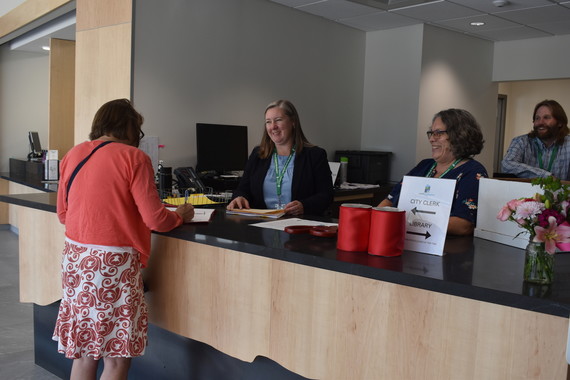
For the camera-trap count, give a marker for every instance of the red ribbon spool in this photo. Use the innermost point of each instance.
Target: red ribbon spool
(353, 227)
(387, 231)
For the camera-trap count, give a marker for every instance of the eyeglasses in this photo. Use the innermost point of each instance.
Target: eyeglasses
(437, 134)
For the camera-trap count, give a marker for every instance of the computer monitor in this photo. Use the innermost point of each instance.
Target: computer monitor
(35, 146)
(221, 148)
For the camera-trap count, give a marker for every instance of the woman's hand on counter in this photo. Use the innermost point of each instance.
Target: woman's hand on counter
(238, 203)
(186, 212)
(294, 208)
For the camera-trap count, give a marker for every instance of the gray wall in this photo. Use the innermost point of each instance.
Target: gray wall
(391, 95)
(535, 58)
(220, 61)
(411, 74)
(23, 102)
(452, 80)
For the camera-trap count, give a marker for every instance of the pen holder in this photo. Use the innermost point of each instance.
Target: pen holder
(387, 231)
(353, 227)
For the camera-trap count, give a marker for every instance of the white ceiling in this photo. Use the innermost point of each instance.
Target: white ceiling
(515, 20)
(7, 5)
(62, 27)
(58, 24)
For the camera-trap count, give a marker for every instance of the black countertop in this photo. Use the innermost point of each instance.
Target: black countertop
(34, 183)
(472, 267)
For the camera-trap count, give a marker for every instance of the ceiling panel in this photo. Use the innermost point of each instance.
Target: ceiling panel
(487, 6)
(441, 10)
(538, 15)
(556, 28)
(335, 9)
(491, 23)
(295, 3)
(517, 19)
(518, 33)
(378, 21)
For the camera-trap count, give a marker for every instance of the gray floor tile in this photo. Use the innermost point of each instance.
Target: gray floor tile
(16, 319)
(20, 366)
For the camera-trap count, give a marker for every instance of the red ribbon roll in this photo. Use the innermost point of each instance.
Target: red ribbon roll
(353, 227)
(387, 231)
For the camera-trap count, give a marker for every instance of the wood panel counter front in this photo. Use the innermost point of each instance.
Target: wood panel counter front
(329, 314)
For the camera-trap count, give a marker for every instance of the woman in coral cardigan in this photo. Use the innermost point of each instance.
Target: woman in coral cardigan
(109, 210)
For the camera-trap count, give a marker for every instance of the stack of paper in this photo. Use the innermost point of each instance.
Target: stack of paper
(201, 215)
(273, 214)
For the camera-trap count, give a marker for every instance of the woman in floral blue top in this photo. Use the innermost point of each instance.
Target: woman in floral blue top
(455, 137)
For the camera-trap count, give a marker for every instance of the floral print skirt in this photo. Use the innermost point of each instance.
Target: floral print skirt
(103, 312)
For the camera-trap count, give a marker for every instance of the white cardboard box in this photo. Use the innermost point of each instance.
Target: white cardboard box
(493, 195)
(51, 170)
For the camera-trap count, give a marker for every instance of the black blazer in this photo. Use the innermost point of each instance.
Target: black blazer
(312, 181)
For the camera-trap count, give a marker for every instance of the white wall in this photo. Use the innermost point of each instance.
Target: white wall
(391, 95)
(23, 102)
(452, 80)
(535, 58)
(221, 61)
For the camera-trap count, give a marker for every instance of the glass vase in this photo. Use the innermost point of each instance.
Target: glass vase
(538, 264)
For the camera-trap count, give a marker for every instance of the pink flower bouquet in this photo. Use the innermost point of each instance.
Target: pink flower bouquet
(543, 216)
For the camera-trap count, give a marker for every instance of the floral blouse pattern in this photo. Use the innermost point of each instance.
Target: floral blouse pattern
(466, 191)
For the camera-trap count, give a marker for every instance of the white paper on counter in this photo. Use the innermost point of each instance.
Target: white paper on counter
(282, 223)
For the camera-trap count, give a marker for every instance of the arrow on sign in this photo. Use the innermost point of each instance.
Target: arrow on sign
(416, 211)
(426, 234)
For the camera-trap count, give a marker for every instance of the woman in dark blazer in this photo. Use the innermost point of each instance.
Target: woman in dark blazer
(285, 171)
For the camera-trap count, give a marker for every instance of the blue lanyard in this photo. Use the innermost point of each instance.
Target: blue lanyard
(279, 174)
(539, 156)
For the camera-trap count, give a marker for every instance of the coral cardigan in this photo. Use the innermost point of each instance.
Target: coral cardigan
(113, 200)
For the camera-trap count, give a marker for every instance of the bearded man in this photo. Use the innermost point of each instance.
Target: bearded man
(545, 151)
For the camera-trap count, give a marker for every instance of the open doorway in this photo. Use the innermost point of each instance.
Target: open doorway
(500, 132)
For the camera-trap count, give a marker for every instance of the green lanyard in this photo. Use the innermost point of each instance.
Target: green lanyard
(539, 156)
(430, 173)
(280, 174)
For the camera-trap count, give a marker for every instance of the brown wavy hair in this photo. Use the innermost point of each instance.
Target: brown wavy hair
(266, 147)
(557, 113)
(463, 131)
(118, 118)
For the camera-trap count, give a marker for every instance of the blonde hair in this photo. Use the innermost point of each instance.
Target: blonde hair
(266, 146)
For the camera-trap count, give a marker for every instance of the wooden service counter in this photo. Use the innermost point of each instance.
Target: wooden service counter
(329, 314)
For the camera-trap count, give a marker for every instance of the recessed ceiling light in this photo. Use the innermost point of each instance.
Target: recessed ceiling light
(45, 48)
(477, 23)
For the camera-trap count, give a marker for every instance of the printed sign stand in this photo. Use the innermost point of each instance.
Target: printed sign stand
(427, 202)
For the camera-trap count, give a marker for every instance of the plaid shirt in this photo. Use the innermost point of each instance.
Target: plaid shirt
(522, 158)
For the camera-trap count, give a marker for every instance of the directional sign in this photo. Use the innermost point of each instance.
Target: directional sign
(427, 202)
(425, 234)
(416, 211)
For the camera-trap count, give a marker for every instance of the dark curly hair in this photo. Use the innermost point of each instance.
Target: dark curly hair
(463, 131)
(118, 118)
(557, 113)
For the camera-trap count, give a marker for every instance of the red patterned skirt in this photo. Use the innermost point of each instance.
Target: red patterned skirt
(103, 312)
